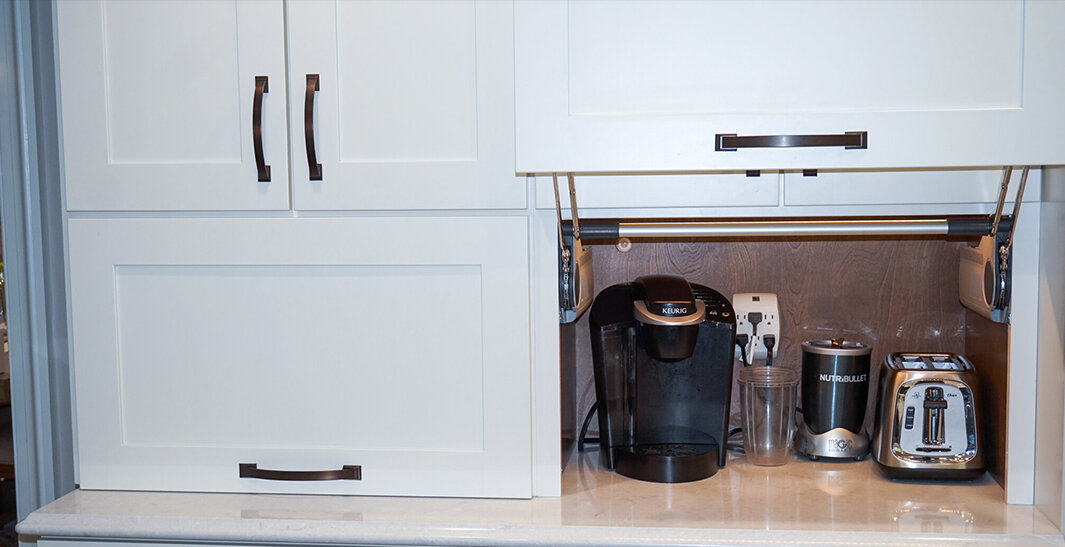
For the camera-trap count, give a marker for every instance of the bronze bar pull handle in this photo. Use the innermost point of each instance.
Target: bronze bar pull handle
(346, 473)
(313, 166)
(730, 142)
(262, 85)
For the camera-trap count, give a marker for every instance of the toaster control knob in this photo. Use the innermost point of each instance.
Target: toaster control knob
(934, 408)
(910, 411)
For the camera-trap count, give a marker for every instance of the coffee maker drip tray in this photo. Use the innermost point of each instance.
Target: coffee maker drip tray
(668, 462)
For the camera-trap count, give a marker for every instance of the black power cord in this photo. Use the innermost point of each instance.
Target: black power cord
(581, 440)
(769, 340)
(741, 341)
(737, 446)
(753, 318)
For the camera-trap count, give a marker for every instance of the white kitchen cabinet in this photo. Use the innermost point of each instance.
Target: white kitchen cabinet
(412, 106)
(648, 86)
(157, 104)
(400, 345)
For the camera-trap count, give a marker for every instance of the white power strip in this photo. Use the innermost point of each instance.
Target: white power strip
(764, 303)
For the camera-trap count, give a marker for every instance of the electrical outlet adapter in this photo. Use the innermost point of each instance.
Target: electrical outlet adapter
(757, 315)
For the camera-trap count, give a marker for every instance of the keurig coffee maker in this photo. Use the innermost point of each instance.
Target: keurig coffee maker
(662, 352)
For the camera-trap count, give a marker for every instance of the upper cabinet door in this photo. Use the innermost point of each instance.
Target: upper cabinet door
(159, 104)
(414, 106)
(647, 86)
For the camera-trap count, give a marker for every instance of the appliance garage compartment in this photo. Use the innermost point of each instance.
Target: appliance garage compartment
(387, 259)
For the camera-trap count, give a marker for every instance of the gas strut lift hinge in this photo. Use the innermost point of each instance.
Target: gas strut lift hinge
(984, 271)
(1006, 246)
(575, 286)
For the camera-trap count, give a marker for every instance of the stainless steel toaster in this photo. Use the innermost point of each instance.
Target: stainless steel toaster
(927, 418)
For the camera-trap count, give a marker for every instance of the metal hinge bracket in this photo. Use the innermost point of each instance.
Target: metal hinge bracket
(576, 287)
(984, 271)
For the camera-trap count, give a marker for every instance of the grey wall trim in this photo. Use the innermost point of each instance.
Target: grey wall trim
(54, 245)
(31, 221)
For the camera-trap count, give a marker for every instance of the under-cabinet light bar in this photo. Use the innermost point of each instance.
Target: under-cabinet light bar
(952, 226)
(784, 228)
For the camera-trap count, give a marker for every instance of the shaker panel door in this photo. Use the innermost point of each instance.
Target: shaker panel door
(413, 107)
(408, 356)
(647, 86)
(158, 103)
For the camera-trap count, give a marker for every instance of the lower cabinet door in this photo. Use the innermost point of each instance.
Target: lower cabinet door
(383, 355)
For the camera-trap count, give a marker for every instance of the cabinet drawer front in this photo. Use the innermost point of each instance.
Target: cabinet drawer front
(664, 191)
(648, 86)
(415, 107)
(158, 104)
(905, 187)
(303, 345)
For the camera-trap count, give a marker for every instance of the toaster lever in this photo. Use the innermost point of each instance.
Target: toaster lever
(934, 407)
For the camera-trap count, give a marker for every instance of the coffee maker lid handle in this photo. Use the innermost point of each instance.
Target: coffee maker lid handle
(667, 300)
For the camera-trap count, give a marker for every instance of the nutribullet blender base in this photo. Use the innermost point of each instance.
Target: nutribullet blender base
(839, 443)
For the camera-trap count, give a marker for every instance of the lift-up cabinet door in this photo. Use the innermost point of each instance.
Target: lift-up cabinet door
(166, 105)
(648, 86)
(303, 345)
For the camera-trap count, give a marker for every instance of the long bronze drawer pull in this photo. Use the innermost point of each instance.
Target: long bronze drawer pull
(346, 473)
(730, 142)
(262, 85)
(313, 166)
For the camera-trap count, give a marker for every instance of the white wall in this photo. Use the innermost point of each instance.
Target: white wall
(1050, 394)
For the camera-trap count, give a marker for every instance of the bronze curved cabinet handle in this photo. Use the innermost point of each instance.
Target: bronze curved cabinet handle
(313, 166)
(262, 86)
(346, 473)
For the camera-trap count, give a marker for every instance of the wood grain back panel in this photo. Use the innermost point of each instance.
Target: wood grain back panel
(987, 347)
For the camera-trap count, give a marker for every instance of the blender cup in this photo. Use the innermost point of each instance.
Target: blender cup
(767, 399)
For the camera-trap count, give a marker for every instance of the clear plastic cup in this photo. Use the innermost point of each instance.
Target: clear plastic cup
(767, 400)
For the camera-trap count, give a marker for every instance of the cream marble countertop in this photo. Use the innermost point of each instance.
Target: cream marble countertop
(801, 503)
